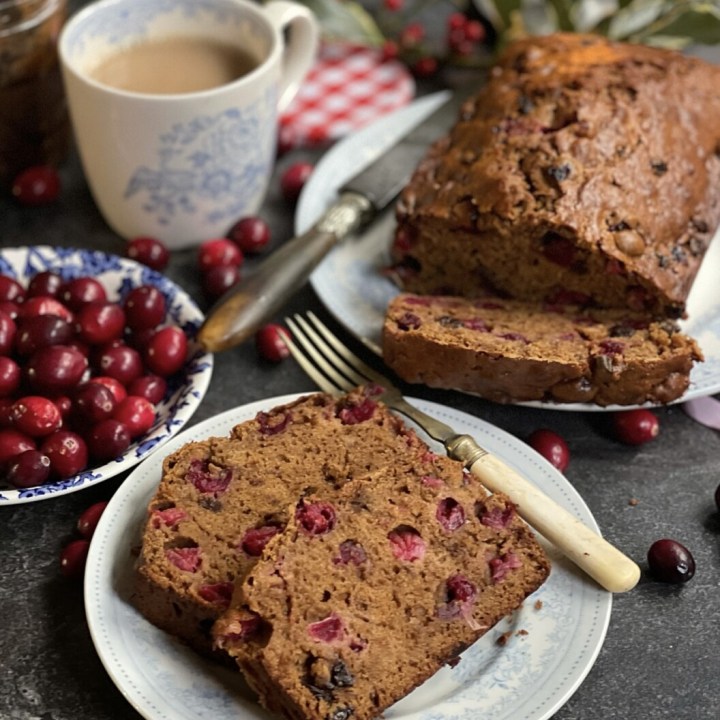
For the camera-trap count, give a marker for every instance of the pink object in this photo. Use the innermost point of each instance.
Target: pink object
(705, 410)
(348, 87)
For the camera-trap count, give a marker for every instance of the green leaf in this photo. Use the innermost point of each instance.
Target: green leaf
(635, 17)
(699, 23)
(588, 14)
(499, 12)
(541, 18)
(349, 21)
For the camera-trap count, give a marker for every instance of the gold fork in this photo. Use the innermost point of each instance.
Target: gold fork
(336, 370)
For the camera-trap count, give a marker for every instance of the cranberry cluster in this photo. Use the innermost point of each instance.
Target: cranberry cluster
(80, 374)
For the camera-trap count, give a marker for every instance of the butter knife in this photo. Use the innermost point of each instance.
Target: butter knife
(249, 303)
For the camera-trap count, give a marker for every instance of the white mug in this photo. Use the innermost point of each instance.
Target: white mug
(183, 167)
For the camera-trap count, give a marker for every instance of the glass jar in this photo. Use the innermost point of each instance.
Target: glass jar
(34, 126)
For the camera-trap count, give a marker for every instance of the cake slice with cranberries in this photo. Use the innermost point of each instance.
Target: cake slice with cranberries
(368, 592)
(508, 350)
(221, 499)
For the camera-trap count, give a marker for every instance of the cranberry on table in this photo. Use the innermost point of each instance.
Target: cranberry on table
(36, 416)
(39, 331)
(144, 307)
(136, 413)
(219, 251)
(55, 369)
(11, 290)
(13, 442)
(67, 451)
(80, 291)
(151, 387)
(551, 446)
(28, 469)
(218, 280)
(270, 342)
(36, 185)
(8, 332)
(100, 322)
(670, 561)
(293, 180)
(635, 427)
(9, 376)
(108, 440)
(166, 351)
(251, 234)
(148, 251)
(89, 518)
(73, 558)
(45, 283)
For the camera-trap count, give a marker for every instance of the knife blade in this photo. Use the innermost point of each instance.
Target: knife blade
(252, 301)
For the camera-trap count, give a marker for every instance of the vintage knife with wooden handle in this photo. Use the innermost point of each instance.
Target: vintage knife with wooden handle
(248, 304)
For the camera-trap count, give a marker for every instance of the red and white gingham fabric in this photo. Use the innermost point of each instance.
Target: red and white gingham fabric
(347, 88)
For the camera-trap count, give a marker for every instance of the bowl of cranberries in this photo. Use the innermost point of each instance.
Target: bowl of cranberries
(99, 367)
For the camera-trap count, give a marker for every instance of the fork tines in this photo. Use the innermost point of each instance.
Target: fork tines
(326, 360)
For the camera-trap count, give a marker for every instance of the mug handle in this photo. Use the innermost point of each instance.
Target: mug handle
(298, 25)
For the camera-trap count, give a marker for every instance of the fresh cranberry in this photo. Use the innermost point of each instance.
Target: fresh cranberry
(64, 405)
(13, 442)
(81, 291)
(36, 185)
(670, 561)
(214, 481)
(6, 415)
(148, 251)
(9, 376)
(56, 368)
(315, 518)
(293, 179)
(218, 280)
(67, 452)
(89, 518)
(73, 558)
(326, 630)
(187, 559)
(450, 514)
(250, 234)
(144, 307)
(166, 352)
(100, 322)
(255, 539)
(108, 440)
(115, 386)
(635, 427)
(406, 544)
(44, 305)
(270, 343)
(136, 413)
(36, 416)
(551, 446)
(93, 402)
(425, 67)
(151, 387)
(219, 251)
(11, 290)
(39, 331)
(45, 283)
(28, 469)
(10, 308)
(120, 362)
(8, 333)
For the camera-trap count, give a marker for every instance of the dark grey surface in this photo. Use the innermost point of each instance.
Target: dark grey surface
(659, 660)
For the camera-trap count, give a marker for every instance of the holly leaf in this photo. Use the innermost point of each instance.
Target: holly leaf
(344, 20)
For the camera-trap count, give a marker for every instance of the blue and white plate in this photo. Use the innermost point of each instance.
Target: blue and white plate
(551, 641)
(118, 276)
(351, 285)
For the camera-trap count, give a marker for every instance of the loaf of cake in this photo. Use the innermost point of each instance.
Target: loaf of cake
(509, 350)
(368, 593)
(221, 499)
(584, 171)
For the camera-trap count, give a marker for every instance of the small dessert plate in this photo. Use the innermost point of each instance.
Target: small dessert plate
(186, 389)
(525, 668)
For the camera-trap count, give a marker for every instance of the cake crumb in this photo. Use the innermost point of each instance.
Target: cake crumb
(522, 631)
(503, 639)
(633, 502)
(538, 604)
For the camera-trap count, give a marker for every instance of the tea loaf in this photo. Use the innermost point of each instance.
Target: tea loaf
(367, 594)
(221, 499)
(509, 350)
(584, 171)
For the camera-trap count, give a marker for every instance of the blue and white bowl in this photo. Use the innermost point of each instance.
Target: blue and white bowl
(118, 276)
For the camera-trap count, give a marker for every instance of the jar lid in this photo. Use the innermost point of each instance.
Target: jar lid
(348, 87)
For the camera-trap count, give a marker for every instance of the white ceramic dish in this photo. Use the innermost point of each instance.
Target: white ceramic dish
(118, 275)
(528, 678)
(350, 284)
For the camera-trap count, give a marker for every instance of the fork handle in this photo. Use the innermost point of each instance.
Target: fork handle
(596, 556)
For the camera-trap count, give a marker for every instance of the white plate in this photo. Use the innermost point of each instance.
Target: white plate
(527, 679)
(351, 286)
(118, 275)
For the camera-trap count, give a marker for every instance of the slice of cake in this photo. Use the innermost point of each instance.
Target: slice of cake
(221, 499)
(371, 590)
(508, 351)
